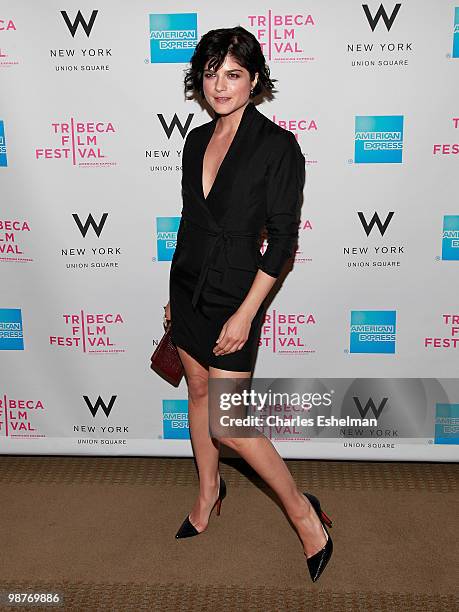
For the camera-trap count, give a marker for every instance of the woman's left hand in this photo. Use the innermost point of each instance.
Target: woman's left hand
(234, 334)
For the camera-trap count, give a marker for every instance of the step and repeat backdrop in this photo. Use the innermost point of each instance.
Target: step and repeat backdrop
(92, 124)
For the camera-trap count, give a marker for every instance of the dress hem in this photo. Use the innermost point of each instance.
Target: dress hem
(208, 363)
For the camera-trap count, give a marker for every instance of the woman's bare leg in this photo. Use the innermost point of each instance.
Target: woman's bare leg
(261, 455)
(205, 449)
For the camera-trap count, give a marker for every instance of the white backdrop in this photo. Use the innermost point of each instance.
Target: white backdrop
(92, 124)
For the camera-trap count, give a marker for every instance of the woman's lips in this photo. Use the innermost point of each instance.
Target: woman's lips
(222, 99)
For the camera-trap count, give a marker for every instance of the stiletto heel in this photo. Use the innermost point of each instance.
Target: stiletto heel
(187, 529)
(221, 495)
(326, 519)
(317, 563)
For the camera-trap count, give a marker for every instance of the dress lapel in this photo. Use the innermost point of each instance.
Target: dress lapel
(228, 166)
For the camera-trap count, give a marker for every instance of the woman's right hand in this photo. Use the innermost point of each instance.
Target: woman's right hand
(167, 315)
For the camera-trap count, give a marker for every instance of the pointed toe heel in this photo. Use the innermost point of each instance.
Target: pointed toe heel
(318, 562)
(187, 529)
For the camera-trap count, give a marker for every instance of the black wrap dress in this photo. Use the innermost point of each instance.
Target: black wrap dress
(259, 184)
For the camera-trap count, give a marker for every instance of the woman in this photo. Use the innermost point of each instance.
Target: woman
(241, 171)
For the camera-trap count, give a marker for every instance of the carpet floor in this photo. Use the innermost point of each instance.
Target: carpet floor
(100, 531)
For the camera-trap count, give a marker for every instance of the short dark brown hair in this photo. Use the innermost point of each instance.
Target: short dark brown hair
(214, 46)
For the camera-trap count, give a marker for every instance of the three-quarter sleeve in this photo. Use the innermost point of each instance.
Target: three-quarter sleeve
(284, 188)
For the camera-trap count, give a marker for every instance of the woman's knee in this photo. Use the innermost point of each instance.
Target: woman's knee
(234, 443)
(198, 386)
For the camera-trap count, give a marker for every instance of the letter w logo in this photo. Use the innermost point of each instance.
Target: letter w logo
(87, 27)
(100, 404)
(370, 404)
(175, 122)
(375, 219)
(90, 222)
(373, 21)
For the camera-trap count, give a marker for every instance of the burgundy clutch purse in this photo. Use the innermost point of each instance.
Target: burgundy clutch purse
(165, 360)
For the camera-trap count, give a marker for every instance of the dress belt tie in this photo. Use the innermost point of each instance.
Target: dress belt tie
(218, 235)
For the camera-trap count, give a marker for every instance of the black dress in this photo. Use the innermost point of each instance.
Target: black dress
(259, 183)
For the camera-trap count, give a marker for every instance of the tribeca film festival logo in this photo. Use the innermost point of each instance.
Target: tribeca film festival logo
(450, 238)
(7, 29)
(299, 256)
(166, 237)
(175, 420)
(304, 127)
(80, 58)
(456, 33)
(11, 330)
(282, 37)
(447, 148)
(102, 408)
(381, 255)
(383, 53)
(13, 234)
(79, 142)
(3, 157)
(173, 37)
(284, 333)
(378, 139)
(450, 339)
(91, 333)
(161, 157)
(18, 417)
(91, 257)
(372, 331)
(446, 424)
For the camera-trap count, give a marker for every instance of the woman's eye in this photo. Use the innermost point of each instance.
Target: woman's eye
(209, 74)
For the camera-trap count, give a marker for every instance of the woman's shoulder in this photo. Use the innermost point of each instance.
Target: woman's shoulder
(199, 130)
(277, 137)
(280, 142)
(192, 140)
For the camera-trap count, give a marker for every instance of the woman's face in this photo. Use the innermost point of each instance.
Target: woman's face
(229, 87)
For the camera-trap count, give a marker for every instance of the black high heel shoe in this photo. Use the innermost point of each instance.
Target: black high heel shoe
(187, 529)
(317, 562)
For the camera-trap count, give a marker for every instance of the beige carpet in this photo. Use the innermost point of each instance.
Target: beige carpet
(101, 531)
